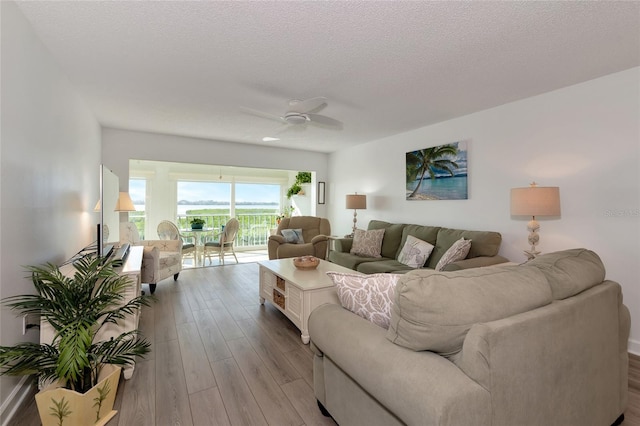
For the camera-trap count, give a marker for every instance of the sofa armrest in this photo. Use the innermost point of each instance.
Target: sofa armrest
(343, 244)
(476, 262)
(415, 386)
(273, 244)
(318, 239)
(544, 349)
(277, 238)
(164, 245)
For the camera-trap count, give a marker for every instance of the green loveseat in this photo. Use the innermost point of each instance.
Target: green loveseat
(484, 248)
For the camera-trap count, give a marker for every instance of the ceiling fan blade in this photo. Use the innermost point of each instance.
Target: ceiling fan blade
(262, 114)
(308, 105)
(326, 121)
(291, 128)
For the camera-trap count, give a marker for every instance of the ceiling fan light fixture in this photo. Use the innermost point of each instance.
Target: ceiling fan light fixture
(295, 118)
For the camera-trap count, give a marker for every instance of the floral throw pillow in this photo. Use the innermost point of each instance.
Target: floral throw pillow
(368, 296)
(293, 236)
(415, 252)
(458, 251)
(367, 243)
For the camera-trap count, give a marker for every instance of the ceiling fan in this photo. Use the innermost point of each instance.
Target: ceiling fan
(299, 113)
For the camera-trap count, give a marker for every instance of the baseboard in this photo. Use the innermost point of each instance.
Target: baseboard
(23, 390)
(634, 347)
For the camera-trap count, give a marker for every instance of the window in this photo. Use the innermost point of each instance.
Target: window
(210, 201)
(138, 194)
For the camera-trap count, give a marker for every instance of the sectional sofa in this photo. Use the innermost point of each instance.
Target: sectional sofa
(544, 343)
(484, 248)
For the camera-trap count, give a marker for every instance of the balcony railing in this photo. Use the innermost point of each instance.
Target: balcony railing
(253, 232)
(254, 229)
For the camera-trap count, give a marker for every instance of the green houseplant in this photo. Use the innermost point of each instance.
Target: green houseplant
(76, 307)
(197, 223)
(295, 188)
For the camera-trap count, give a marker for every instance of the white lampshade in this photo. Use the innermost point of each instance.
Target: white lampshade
(535, 201)
(356, 201)
(124, 203)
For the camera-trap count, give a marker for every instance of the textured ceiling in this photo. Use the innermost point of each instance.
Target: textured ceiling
(189, 68)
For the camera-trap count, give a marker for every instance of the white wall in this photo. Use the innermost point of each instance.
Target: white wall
(119, 146)
(49, 156)
(584, 139)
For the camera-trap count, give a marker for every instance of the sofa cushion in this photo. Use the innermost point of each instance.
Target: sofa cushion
(392, 237)
(570, 272)
(383, 265)
(351, 261)
(458, 251)
(434, 310)
(415, 252)
(483, 243)
(367, 243)
(368, 296)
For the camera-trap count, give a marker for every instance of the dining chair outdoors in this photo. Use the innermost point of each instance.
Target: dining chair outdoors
(225, 243)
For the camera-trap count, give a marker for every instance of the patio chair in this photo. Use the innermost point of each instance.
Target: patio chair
(160, 259)
(225, 243)
(168, 230)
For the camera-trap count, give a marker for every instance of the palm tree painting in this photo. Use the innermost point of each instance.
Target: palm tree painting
(437, 173)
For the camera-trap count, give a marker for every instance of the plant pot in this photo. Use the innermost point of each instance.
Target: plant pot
(197, 225)
(80, 409)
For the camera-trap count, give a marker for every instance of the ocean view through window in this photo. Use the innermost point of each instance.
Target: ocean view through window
(181, 192)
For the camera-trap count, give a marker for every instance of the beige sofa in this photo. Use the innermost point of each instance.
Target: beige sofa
(543, 343)
(484, 248)
(315, 232)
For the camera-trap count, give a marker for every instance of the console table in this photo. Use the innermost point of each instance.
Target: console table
(131, 267)
(297, 292)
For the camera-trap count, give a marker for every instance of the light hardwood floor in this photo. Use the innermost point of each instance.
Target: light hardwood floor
(219, 357)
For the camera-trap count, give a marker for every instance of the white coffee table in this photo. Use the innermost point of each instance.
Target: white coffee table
(297, 292)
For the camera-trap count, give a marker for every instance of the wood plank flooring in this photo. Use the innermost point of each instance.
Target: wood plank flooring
(220, 358)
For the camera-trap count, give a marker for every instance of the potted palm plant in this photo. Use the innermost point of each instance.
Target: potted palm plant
(80, 367)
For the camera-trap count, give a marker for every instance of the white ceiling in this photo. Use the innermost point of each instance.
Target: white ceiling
(187, 68)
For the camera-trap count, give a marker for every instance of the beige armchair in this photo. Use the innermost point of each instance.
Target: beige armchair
(160, 259)
(315, 232)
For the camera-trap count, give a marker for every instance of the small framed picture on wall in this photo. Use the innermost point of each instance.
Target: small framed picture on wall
(321, 193)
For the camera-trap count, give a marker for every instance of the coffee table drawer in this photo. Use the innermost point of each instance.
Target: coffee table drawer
(279, 299)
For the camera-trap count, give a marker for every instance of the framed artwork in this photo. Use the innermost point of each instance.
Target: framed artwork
(437, 173)
(320, 192)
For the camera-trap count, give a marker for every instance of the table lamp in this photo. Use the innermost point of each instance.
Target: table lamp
(356, 202)
(535, 201)
(124, 203)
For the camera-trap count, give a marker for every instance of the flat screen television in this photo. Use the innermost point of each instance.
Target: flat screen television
(108, 228)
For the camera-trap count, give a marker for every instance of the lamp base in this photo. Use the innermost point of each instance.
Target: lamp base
(534, 238)
(531, 254)
(355, 221)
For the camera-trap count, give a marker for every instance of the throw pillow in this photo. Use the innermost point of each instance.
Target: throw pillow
(367, 243)
(368, 296)
(415, 252)
(458, 251)
(293, 236)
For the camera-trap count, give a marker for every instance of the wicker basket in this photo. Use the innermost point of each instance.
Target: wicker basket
(306, 262)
